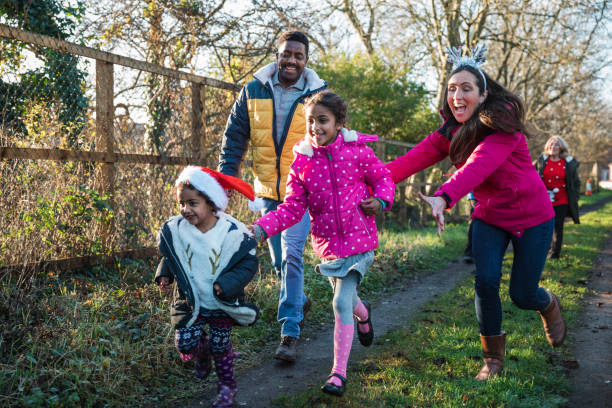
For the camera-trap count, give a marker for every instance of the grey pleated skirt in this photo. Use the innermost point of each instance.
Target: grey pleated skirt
(339, 268)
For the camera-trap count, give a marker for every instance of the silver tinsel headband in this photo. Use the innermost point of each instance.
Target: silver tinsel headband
(475, 61)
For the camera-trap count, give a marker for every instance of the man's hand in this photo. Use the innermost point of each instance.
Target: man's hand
(438, 205)
(218, 290)
(370, 206)
(165, 286)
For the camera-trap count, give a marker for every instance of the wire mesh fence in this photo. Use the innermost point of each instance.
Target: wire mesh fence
(90, 143)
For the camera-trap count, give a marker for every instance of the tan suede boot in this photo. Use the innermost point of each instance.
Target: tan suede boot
(493, 351)
(554, 325)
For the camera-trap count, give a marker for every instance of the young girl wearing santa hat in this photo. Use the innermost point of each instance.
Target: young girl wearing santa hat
(211, 256)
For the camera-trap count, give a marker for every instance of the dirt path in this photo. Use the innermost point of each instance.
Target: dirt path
(592, 380)
(595, 206)
(258, 386)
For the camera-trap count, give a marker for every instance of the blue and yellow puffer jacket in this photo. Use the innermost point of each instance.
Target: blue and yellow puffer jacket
(252, 117)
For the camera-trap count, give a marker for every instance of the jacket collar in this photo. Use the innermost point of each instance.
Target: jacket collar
(312, 80)
(567, 158)
(306, 148)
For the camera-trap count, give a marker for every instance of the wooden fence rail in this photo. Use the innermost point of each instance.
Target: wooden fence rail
(104, 125)
(104, 98)
(13, 33)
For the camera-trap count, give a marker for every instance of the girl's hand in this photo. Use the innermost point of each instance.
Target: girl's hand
(258, 232)
(165, 286)
(370, 206)
(218, 290)
(438, 205)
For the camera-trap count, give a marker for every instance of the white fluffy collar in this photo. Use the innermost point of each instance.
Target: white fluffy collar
(567, 158)
(313, 81)
(305, 146)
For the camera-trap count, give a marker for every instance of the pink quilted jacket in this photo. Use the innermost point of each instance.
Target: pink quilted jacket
(330, 181)
(506, 185)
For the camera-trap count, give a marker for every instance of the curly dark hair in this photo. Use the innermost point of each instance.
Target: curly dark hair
(502, 110)
(294, 35)
(331, 101)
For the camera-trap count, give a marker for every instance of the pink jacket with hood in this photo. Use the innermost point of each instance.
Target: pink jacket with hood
(508, 188)
(330, 181)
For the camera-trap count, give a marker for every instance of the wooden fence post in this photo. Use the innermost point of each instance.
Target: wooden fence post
(423, 207)
(105, 115)
(402, 203)
(595, 177)
(198, 120)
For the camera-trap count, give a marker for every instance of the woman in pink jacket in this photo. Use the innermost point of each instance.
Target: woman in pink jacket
(484, 135)
(342, 184)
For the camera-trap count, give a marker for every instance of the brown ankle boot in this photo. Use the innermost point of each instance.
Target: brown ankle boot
(493, 351)
(554, 325)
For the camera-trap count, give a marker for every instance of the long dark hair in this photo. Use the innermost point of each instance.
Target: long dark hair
(501, 111)
(331, 101)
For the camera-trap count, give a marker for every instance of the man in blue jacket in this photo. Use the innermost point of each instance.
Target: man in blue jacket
(268, 114)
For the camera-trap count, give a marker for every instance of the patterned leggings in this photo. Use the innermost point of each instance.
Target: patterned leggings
(345, 296)
(220, 326)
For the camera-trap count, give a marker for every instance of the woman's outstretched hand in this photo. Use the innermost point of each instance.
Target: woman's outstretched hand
(438, 205)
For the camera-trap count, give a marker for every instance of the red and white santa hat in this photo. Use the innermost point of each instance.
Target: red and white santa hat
(213, 184)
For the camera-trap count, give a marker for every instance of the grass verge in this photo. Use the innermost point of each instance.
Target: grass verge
(595, 197)
(102, 337)
(432, 363)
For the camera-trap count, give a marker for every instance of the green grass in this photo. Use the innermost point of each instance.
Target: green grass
(432, 363)
(102, 337)
(600, 195)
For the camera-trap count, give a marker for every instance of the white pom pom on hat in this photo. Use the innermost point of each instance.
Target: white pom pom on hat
(256, 205)
(213, 184)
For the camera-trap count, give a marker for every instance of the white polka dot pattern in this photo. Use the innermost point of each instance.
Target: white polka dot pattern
(330, 185)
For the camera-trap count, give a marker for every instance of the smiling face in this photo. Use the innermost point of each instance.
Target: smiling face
(291, 58)
(553, 148)
(321, 125)
(195, 209)
(463, 95)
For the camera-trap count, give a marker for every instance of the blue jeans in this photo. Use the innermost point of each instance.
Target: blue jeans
(290, 246)
(489, 244)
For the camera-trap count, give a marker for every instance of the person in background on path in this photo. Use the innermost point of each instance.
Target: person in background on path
(211, 256)
(467, 252)
(269, 114)
(339, 180)
(559, 171)
(484, 135)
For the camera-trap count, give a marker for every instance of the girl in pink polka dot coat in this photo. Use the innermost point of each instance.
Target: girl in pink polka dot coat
(341, 182)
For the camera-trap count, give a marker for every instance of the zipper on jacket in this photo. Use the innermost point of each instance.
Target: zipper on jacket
(283, 137)
(180, 271)
(278, 149)
(281, 142)
(363, 221)
(334, 192)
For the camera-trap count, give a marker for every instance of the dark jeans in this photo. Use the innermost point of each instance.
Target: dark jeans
(468, 245)
(489, 245)
(557, 240)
